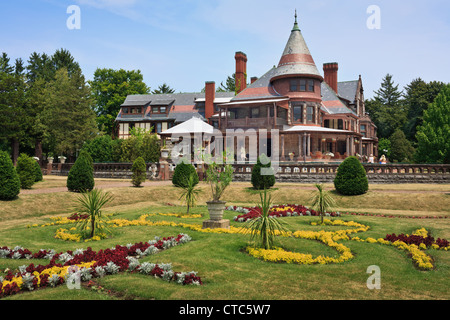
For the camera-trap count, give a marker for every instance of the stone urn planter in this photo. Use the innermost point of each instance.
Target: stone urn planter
(219, 176)
(50, 160)
(165, 153)
(216, 220)
(215, 209)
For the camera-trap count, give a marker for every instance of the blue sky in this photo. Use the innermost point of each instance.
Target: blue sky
(185, 43)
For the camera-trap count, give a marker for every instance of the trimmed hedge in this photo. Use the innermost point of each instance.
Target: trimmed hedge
(81, 175)
(37, 172)
(9, 179)
(351, 178)
(260, 181)
(26, 170)
(139, 172)
(181, 174)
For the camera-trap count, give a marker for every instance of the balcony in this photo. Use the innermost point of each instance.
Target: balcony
(266, 123)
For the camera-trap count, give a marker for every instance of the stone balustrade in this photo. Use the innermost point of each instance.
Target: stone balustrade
(286, 172)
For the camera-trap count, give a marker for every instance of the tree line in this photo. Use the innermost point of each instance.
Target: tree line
(413, 125)
(47, 107)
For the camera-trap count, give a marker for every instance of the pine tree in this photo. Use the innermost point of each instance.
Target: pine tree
(400, 149)
(387, 109)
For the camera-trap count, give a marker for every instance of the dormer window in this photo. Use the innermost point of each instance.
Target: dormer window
(159, 109)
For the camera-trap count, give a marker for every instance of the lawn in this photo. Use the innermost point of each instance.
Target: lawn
(227, 271)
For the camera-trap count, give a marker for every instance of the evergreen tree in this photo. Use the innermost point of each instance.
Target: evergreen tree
(401, 149)
(67, 115)
(81, 175)
(37, 172)
(181, 175)
(351, 178)
(139, 172)
(387, 109)
(433, 136)
(26, 170)
(9, 179)
(164, 88)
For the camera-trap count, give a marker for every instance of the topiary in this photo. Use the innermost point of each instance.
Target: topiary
(81, 175)
(139, 171)
(351, 178)
(37, 172)
(182, 172)
(262, 181)
(26, 170)
(9, 179)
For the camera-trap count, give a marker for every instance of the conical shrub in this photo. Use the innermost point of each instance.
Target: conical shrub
(351, 178)
(26, 170)
(37, 172)
(182, 172)
(139, 171)
(81, 175)
(262, 181)
(9, 179)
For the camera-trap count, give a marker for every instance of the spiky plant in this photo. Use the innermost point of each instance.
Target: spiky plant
(264, 228)
(190, 191)
(322, 201)
(91, 203)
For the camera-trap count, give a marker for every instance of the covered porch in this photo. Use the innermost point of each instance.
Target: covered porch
(314, 143)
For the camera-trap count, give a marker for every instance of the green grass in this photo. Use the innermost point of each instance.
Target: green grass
(227, 271)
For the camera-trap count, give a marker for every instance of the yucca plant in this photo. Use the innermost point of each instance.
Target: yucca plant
(322, 201)
(190, 191)
(91, 203)
(264, 228)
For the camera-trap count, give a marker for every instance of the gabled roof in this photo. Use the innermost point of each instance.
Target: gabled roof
(182, 105)
(347, 90)
(331, 102)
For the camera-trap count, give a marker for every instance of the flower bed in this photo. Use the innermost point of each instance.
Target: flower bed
(87, 264)
(284, 210)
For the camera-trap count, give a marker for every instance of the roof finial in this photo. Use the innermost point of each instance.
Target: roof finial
(296, 28)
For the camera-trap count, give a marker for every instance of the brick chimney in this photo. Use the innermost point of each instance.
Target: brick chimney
(330, 71)
(241, 71)
(210, 94)
(253, 79)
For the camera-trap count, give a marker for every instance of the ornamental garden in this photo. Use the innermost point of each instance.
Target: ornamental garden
(218, 239)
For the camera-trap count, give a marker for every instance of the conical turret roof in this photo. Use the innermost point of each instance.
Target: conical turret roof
(296, 59)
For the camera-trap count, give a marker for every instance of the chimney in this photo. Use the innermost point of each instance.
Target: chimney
(210, 94)
(330, 71)
(241, 71)
(253, 79)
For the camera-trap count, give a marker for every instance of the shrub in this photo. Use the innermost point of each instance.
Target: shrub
(139, 172)
(99, 148)
(37, 172)
(351, 178)
(81, 175)
(26, 170)
(262, 181)
(9, 179)
(182, 172)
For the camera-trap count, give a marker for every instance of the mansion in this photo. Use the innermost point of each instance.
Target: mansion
(316, 116)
